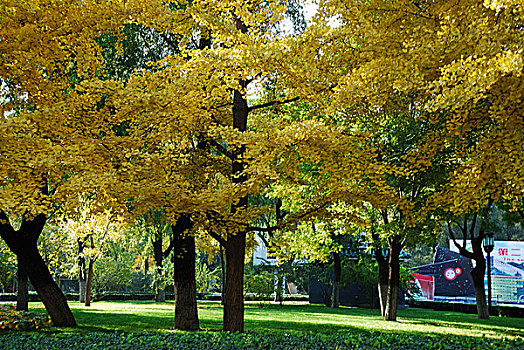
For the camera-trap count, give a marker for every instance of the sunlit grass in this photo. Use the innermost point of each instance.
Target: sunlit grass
(290, 318)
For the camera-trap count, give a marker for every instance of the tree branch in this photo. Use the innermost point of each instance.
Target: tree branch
(221, 148)
(169, 248)
(462, 249)
(218, 238)
(293, 219)
(170, 42)
(272, 103)
(384, 214)
(264, 240)
(377, 249)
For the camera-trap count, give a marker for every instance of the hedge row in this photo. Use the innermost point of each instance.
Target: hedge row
(150, 296)
(223, 341)
(496, 310)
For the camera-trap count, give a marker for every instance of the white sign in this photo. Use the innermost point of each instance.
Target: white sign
(507, 251)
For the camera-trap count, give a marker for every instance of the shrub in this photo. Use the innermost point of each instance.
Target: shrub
(113, 273)
(10, 319)
(220, 340)
(261, 285)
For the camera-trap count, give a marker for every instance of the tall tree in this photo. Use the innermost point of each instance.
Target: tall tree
(462, 62)
(202, 98)
(48, 46)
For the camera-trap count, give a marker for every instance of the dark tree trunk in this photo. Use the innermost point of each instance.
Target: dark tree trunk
(223, 275)
(48, 291)
(22, 294)
(89, 281)
(337, 273)
(81, 271)
(236, 241)
(234, 297)
(279, 214)
(186, 311)
(383, 276)
(24, 244)
(476, 254)
(158, 254)
(390, 312)
(477, 275)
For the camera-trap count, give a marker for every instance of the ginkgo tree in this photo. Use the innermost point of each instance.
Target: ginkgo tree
(463, 62)
(47, 48)
(66, 114)
(188, 119)
(377, 162)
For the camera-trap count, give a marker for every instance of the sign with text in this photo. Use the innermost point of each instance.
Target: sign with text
(507, 251)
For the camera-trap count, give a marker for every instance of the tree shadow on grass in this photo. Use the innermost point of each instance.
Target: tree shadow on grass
(415, 322)
(98, 321)
(295, 319)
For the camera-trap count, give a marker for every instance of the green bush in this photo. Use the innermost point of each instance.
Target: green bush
(261, 285)
(113, 273)
(10, 319)
(220, 340)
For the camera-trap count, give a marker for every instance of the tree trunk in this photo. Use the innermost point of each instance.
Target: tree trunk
(89, 279)
(186, 311)
(337, 272)
(382, 290)
(390, 312)
(383, 277)
(158, 254)
(88, 282)
(160, 296)
(22, 294)
(81, 271)
(475, 254)
(234, 297)
(236, 241)
(477, 275)
(24, 244)
(51, 295)
(223, 275)
(81, 289)
(279, 289)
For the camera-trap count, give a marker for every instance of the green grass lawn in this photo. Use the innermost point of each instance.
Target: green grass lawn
(290, 318)
(148, 325)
